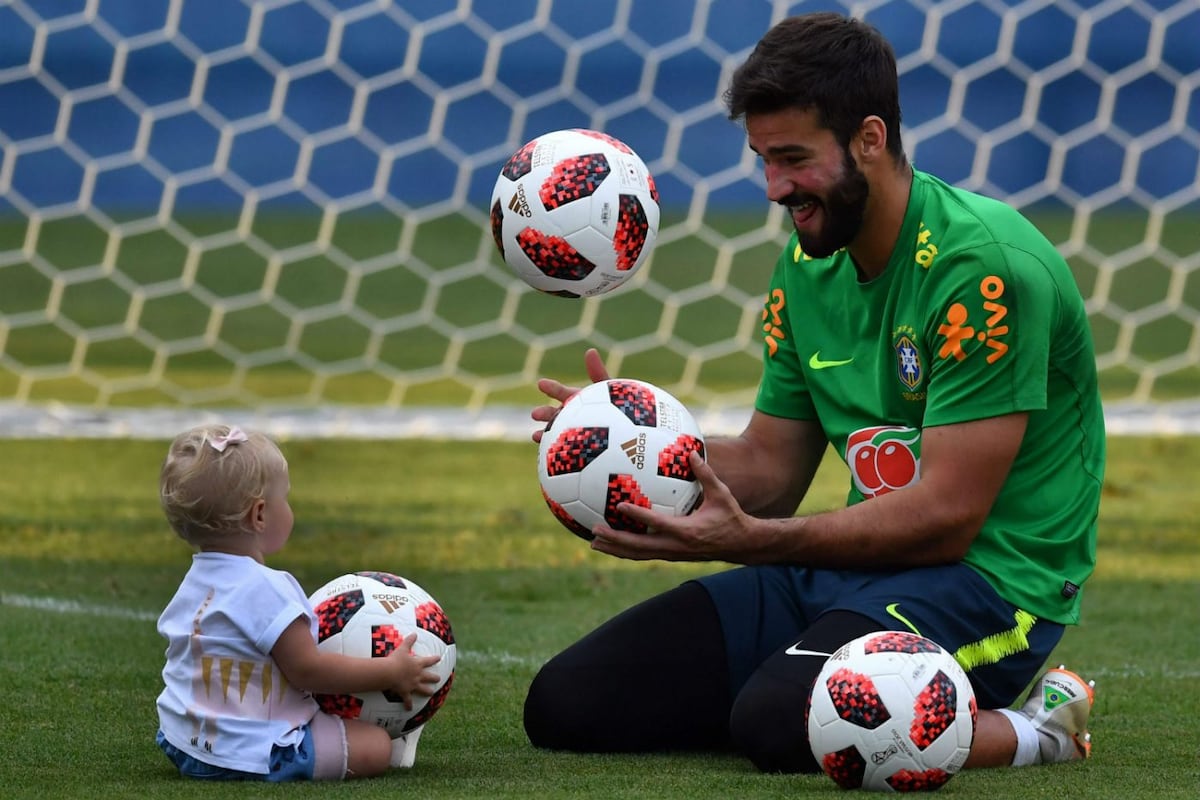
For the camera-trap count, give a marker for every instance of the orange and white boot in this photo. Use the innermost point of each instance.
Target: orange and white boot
(1059, 706)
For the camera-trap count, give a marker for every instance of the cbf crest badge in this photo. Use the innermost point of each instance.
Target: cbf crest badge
(909, 369)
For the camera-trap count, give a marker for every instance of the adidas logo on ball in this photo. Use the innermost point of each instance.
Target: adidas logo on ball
(390, 603)
(635, 448)
(518, 204)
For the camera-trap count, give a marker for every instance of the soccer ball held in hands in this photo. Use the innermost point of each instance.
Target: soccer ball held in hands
(615, 441)
(367, 615)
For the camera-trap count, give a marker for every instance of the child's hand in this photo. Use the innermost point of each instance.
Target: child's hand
(412, 673)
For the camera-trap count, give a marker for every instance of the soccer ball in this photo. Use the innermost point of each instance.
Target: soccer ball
(367, 615)
(575, 213)
(618, 441)
(891, 711)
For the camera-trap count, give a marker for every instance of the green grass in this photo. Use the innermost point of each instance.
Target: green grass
(443, 322)
(79, 522)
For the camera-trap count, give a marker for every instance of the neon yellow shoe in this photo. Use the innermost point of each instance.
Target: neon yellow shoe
(1059, 705)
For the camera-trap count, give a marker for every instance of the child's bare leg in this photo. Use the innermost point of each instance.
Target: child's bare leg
(368, 749)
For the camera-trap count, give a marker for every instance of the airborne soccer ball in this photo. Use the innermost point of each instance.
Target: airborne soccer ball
(367, 615)
(575, 213)
(618, 441)
(891, 711)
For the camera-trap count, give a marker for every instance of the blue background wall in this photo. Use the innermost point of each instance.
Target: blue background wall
(367, 112)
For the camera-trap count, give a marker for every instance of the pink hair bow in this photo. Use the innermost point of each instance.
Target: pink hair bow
(235, 435)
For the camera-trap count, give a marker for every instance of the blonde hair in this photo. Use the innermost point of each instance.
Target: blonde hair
(207, 492)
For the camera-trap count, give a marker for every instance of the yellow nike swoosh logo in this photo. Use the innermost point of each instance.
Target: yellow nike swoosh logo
(816, 363)
(894, 610)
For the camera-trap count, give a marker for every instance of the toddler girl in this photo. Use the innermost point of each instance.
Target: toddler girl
(242, 657)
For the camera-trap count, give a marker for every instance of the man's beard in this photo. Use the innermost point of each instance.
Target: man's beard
(844, 207)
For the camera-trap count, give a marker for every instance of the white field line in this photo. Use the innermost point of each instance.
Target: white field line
(58, 605)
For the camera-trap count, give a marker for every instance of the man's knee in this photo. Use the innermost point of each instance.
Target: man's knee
(545, 711)
(768, 726)
(769, 719)
(652, 678)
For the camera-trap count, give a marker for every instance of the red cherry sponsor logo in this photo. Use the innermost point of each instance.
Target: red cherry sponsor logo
(884, 458)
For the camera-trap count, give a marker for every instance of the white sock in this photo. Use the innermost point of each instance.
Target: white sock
(404, 748)
(1028, 742)
(400, 754)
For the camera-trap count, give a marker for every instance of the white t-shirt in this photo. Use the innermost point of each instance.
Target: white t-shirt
(226, 703)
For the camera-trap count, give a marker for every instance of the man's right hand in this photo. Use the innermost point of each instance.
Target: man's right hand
(561, 393)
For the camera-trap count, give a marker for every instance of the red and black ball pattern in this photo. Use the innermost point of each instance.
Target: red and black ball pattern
(574, 449)
(430, 617)
(436, 700)
(554, 255)
(346, 706)
(673, 459)
(899, 642)
(623, 488)
(386, 578)
(934, 710)
(566, 519)
(384, 640)
(622, 147)
(856, 699)
(520, 163)
(573, 179)
(908, 780)
(497, 217)
(632, 229)
(635, 401)
(847, 767)
(611, 141)
(334, 612)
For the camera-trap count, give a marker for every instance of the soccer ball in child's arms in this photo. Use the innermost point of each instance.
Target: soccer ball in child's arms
(891, 711)
(367, 615)
(575, 213)
(618, 441)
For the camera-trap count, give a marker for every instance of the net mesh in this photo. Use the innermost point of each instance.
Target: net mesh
(281, 207)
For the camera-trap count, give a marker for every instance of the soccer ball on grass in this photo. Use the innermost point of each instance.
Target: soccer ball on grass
(616, 441)
(891, 711)
(575, 213)
(367, 615)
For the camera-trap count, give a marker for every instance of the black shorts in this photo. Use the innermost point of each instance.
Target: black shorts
(1000, 646)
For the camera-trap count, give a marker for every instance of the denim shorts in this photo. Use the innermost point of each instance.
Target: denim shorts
(305, 761)
(1001, 647)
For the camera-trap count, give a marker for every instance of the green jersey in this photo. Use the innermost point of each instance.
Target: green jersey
(977, 315)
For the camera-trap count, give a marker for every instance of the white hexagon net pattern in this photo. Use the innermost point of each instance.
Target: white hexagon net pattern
(280, 207)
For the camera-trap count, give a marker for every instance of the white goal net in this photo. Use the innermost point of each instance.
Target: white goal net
(278, 209)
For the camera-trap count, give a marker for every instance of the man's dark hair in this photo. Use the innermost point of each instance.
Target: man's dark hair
(838, 66)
